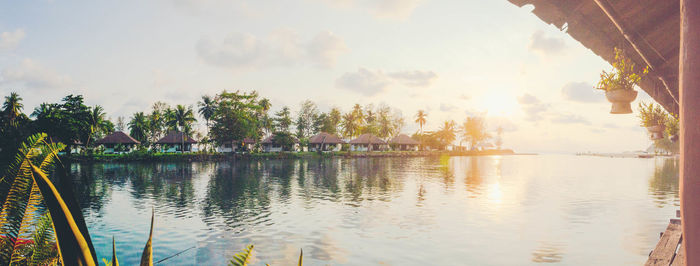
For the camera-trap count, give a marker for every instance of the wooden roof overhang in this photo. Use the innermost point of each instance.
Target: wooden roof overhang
(647, 30)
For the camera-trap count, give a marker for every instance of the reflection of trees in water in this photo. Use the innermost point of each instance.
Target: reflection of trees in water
(663, 185)
(164, 183)
(473, 180)
(370, 178)
(239, 192)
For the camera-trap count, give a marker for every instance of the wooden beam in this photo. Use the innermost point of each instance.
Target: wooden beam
(689, 88)
(636, 41)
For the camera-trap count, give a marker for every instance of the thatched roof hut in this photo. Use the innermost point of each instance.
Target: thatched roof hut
(367, 138)
(403, 139)
(325, 138)
(118, 137)
(174, 137)
(269, 139)
(647, 31)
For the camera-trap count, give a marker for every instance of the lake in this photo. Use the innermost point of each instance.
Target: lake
(492, 210)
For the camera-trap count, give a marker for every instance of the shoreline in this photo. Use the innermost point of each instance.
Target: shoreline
(215, 157)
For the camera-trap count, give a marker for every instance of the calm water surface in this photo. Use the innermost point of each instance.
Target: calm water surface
(513, 210)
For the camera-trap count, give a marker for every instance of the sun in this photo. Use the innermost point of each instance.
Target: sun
(498, 104)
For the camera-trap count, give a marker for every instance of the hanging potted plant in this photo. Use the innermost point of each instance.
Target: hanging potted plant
(672, 128)
(654, 119)
(619, 83)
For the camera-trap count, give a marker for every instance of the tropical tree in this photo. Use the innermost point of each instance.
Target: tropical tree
(308, 112)
(98, 124)
(358, 114)
(283, 120)
(334, 118)
(181, 118)
(12, 108)
(236, 118)
(447, 133)
(138, 126)
(120, 125)
(207, 107)
(474, 131)
(421, 119)
(350, 126)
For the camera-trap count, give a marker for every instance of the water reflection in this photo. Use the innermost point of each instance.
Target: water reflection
(663, 184)
(366, 211)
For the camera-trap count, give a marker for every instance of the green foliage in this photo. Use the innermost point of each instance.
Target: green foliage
(139, 127)
(284, 139)
(474, 131)
(623, 77)
(236, 118)
(283, 120)
(242, 258)
(672, 125)
(652, 114)
(20, 195)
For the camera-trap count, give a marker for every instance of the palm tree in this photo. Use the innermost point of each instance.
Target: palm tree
(358, 114)
(420, 119)
(181, 118)
(207, 107)
(98, 123)
(138, 127)
(265, 104)
(12, 108)
(447, 132)
(350, 125)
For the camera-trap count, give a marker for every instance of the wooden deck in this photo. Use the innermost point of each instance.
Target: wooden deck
(669, 250)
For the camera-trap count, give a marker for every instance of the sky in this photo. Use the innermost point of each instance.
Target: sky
(451, 58)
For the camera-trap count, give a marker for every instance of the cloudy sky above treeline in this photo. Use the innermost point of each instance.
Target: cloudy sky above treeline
(452, 58)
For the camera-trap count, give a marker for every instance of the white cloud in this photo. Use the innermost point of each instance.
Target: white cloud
(533, 107)
(324, 48)
(546, 45)
(235, 50)
(581, 92)
(569, 119)
(448, 108)
(10, 40)
(32, 75)
(414, 78)
(370, 82)
(364, 81)
(281, 48)
(390, 9)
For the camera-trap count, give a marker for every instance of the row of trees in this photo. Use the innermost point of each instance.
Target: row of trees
(473, 131)
(229, 118)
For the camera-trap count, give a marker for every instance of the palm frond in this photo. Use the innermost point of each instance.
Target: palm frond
(301, 257)
(147, 255)
(73, 248)
(44, 251)
(16, 195)
(242, 258)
